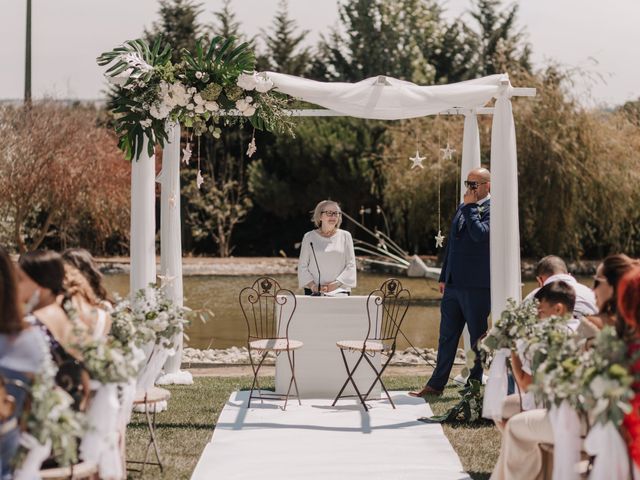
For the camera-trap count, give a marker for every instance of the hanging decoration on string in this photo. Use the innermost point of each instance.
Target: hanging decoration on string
(186, 151)
(416, 161)
(251, 149)
(447, 153)
(439, 238)
(199, 177)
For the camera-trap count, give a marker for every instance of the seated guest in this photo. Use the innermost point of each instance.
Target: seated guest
(629, 312)
(520, 455)
(554, 299)
(332, 248)
(22, 349)
(90, 310)
(83, 261)
(41, 284)
(552, 269)
(605, 285)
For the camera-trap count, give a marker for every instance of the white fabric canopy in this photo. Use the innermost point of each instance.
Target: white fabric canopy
(387, 98)
(381, 98)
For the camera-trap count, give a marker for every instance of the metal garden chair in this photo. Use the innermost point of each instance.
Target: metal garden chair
(268, 310)
(386, 309)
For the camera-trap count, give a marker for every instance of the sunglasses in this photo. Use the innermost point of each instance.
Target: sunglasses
(473, 185)
(331, 213)
(597, 281)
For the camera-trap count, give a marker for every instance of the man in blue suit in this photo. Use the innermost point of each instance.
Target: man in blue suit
(464, 281)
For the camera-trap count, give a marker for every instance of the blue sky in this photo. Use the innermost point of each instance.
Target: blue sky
(599, 37)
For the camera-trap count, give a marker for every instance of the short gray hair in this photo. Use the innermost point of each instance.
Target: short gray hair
(316, 214)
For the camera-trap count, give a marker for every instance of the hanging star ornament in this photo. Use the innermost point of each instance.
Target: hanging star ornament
(448, 152)
(199, 179)
(417, 160)
(439, 239)
(186, 153)
(251, 149)
(172, 200)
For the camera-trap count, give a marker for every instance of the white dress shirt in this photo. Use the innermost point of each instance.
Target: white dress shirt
(585, 298)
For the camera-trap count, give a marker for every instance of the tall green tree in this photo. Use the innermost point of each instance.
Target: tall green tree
(379, 37)
(285, 52)
(501, 46)
(226, 25)
(178, 25)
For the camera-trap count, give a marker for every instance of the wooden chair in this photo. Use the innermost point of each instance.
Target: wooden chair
(268, 310)
(386, 309)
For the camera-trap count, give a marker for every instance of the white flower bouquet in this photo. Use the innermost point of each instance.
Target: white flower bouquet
(51, 417)
(516, 322)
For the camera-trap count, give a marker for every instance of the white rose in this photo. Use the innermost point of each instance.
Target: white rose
(247, 81)
(190, 106)
(263, 84)
(249, 111)
(212, 106)
(197, 98)
(242, 105)
(198, 75)
(199, 109)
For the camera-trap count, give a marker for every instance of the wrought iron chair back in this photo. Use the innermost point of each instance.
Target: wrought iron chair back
(386, 308)
(267, 309)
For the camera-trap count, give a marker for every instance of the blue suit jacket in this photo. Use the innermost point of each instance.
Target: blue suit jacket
(466, 258)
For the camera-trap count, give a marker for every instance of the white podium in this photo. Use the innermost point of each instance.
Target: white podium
(319, 322)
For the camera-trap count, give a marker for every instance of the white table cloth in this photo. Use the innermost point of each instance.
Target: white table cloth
(319, 322)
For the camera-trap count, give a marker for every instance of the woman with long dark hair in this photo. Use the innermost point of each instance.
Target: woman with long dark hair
(22, 349)
(41, 279)
(83, 261)
(605, 288)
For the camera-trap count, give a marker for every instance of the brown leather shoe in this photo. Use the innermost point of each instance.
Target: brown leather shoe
(427, 390)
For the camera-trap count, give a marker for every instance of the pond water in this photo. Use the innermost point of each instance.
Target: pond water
(227, 328)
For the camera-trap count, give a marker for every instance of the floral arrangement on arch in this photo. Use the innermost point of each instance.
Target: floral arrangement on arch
(216, 85)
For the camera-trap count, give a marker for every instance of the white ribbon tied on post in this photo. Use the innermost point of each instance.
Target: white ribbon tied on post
(100, 443)
(497, 384)
(38, 453)
(565, 424)
(612, 460)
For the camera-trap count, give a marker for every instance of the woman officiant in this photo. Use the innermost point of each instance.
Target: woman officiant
(327, 264)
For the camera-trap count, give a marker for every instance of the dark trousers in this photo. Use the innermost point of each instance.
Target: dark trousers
(457, 307)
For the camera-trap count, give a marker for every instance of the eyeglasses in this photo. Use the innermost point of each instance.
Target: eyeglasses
(331, 213)
(598, 280)
(473, 185)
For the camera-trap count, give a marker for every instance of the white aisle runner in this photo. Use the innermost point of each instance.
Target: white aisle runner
(318, 441)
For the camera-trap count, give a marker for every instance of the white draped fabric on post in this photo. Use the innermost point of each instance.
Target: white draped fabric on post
(470, 161)
(505, 232)
(171, 246)
(143, 221)
(470, 150)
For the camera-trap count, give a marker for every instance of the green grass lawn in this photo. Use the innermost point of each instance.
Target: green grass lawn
(187, 426)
